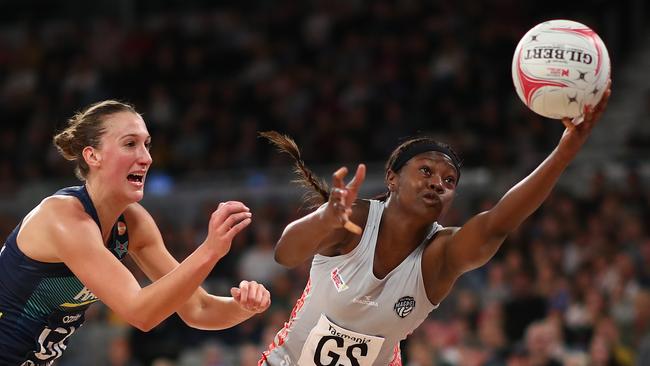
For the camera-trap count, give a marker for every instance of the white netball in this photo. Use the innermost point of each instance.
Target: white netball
(560, 66)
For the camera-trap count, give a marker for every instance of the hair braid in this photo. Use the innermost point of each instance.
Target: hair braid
(319, 190)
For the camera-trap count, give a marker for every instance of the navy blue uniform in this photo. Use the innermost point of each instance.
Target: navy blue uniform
(43, 304)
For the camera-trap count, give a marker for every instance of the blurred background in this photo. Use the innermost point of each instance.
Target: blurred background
(348, 80)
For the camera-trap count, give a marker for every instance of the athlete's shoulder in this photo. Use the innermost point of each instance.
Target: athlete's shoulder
(136, 215)
(62, 208)
(56, 222)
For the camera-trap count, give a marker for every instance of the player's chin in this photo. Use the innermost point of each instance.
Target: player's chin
(136, 195)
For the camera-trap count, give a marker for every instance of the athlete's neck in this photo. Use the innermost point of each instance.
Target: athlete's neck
(400, 228)
(108, 207)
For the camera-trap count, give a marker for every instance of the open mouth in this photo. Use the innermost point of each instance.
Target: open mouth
(135, 178)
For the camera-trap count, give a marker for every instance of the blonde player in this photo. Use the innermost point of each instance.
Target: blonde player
(66, 253)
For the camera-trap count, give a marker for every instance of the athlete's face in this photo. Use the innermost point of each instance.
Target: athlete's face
(123, 155)
(425, 185)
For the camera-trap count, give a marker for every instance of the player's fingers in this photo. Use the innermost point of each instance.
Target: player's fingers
(358, 178)
(266, 299)
(236, 293)
(232, 207)
(337, 177)
(253, 288)
(604, 100)
(234, 219)
(352, 227)
(566, 121)
(259, 296)
(237, 228)
(591, 116)
(338, 194)
(244, 288)
(226, 209)
(231, 203)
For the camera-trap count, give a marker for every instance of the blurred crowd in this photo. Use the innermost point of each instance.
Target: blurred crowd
(346, 79)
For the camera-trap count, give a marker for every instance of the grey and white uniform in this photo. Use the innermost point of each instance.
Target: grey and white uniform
(347, 316)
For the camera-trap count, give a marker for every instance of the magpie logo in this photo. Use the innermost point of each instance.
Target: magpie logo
(404, 306)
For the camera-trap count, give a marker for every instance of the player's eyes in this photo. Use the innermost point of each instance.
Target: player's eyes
(450, 180)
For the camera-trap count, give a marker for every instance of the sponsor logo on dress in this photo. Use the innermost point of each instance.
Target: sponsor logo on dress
(404, 306)
(84, 297)
(358, 339)
(365, 300)
(338, 280)
(71, 318)
(121, 228)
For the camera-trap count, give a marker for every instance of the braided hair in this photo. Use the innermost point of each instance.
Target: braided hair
(318, 190)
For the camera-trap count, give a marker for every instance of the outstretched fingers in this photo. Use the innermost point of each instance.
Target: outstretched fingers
(358, 179)
(338, 176)
(343, 196)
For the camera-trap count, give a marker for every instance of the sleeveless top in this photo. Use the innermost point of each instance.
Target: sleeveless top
(43, 304)
(347, 316)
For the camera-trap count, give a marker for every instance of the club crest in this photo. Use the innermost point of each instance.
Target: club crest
(121, 228)
(404, 306)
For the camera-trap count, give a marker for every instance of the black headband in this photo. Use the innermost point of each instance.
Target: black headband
(416, 149)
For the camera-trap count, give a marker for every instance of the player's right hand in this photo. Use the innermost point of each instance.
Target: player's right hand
(227, 221)
(342, 196)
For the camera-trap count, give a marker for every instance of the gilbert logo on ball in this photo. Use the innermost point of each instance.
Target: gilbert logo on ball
(560, 66)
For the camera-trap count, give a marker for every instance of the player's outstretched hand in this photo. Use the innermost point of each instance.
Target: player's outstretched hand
(251, 296)
(227, 221)
(342, 196)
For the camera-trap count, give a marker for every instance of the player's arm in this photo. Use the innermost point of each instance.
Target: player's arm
(478, 240)
(323, 229)
(202, 310)
(78, 243)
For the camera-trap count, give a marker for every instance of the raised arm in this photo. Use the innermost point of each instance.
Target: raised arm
(322, 230)
(202, 310)
(477, 241)
(78, 243)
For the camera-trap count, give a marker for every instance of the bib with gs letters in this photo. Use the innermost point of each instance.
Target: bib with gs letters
(331, 345)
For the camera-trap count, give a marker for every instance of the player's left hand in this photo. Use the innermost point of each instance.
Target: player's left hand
(251, 296)
(578, 129)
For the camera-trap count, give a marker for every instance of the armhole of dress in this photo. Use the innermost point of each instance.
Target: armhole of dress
(423, 288)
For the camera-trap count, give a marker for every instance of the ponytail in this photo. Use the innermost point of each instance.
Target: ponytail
(319, 190)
